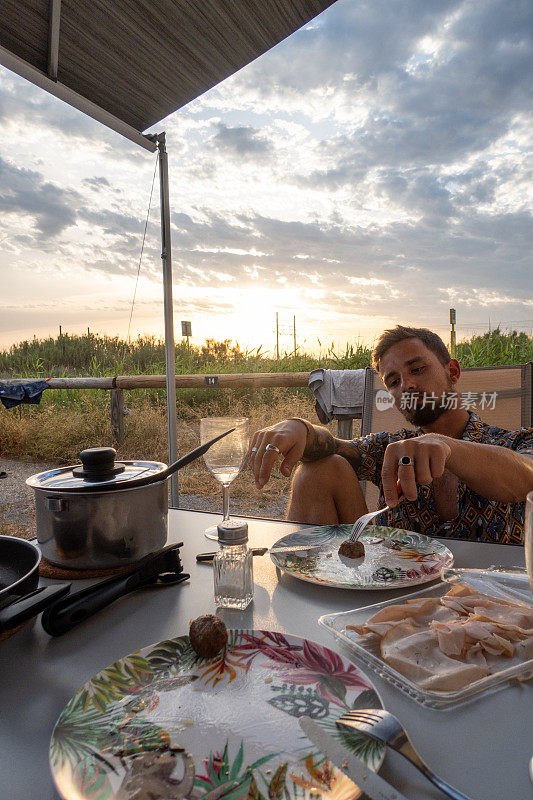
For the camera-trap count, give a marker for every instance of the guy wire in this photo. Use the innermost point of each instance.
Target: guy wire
(142, 248)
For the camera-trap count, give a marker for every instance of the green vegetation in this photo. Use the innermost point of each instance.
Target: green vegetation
(496, 348)
(91, 355)
(99, 356)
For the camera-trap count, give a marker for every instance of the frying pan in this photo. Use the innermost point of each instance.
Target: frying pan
(20, 599)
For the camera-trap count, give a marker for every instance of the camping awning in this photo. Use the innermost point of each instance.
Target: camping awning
(130, 63)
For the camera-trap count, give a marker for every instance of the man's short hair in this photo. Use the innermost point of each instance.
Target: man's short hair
(400, 333)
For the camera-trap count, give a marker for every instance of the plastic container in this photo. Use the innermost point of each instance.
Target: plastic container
(504, 584)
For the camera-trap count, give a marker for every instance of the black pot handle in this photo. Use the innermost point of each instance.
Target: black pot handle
(68, 612)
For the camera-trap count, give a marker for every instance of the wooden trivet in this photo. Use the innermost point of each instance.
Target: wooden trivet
(7, 634)
(49, 570)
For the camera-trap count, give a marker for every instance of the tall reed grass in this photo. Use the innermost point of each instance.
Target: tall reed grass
(92, 355)
(496, 348)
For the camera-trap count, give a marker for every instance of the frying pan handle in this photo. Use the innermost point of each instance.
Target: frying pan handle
(27, 607)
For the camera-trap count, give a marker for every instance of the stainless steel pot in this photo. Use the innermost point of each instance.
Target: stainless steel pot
(100, 527)
(104, 513)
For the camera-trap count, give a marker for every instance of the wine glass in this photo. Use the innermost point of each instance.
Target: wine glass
(225, 458)
(528, 538)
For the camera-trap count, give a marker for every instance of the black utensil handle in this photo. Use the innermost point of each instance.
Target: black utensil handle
(171, 579)
(27, 607)
(68, 612)
(183, 461)
(256, 551)
(205, 557)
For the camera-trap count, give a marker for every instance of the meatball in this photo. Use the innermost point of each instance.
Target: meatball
(208, 635)
(350, 549)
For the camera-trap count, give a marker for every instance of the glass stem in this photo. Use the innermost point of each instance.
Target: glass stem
(225, 501)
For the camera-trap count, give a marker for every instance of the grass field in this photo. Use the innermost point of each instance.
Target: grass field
(69, 420)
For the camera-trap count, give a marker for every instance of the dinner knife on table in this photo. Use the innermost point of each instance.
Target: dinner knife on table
(373, 786)
(260, 551)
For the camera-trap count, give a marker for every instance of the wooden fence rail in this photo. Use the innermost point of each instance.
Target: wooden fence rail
(241, 380)
(117, 385)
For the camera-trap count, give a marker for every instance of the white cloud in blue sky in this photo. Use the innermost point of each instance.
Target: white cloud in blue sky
(374, 167)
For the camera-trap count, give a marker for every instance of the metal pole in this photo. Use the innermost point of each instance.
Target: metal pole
(294, 331)
(170, 356)
(277, 337)
(452, 332)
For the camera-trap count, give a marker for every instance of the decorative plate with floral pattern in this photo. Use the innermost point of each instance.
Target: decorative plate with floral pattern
(393, 558)
(165, 723)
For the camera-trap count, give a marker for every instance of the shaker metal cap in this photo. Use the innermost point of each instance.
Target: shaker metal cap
(232, 531)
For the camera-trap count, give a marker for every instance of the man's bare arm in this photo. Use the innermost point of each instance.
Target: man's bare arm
(321, 443)
(294, 440)
(494, 472)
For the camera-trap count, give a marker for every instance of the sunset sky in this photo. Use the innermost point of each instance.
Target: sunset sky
(373, 168)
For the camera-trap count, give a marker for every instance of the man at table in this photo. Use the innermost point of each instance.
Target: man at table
(459, 476)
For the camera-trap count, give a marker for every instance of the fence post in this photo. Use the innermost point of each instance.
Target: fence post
(345, 428)
(117, 414)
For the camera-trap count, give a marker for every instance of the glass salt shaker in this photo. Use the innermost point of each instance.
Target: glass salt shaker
(232, 566)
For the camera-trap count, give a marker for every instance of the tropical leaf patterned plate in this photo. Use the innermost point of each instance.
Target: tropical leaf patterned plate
(393, 558)
(164, 723)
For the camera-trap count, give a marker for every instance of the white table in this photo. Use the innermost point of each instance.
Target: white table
(483, 748)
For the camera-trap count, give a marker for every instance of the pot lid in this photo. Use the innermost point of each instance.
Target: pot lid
(98, 471)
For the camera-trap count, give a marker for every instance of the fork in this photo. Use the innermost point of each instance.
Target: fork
(384, 727)
(361, 523)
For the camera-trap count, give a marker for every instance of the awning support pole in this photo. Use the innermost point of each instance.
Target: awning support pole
(170, 355)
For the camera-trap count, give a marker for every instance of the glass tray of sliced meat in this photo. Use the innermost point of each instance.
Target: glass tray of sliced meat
(450, 643)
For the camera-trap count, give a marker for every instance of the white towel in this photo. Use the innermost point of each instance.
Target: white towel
(339, 393)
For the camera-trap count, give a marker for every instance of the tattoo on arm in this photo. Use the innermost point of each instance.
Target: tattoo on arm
(320, 443)
(349, 451)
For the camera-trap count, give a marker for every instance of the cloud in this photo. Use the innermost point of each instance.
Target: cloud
(374, 165)
(25, 192)
(242, 141)
(96, 183)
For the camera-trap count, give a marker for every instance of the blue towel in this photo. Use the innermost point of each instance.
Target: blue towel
(14, 394)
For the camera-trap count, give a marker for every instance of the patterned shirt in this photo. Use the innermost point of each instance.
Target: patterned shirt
(477, 518)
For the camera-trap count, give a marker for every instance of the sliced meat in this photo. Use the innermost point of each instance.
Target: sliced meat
(420, 612)
(447, 643)
(416, 655)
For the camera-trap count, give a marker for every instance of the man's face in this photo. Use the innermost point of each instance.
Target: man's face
(410, 369)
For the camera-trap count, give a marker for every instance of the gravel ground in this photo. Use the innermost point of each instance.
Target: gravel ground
(17, 509)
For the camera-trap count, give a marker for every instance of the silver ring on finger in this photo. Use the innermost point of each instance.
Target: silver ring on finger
(255, 449)
(272, 447)
(406, 461)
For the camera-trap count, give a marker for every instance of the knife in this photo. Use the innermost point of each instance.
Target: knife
(260, 551)
(256, 551)
(373, 786)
